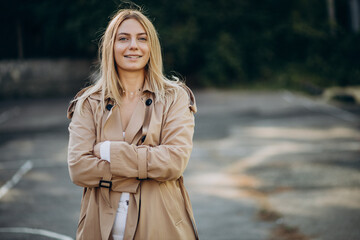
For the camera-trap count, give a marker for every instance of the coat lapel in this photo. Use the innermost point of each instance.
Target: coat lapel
(112, 126)
(136, 122)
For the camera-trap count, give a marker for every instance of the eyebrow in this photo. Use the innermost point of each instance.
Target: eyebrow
(124, 33)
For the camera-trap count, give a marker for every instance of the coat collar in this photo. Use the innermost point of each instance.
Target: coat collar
(146, 88)
(113, 125)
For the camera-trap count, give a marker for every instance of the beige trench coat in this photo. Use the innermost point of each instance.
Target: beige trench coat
(150, 167)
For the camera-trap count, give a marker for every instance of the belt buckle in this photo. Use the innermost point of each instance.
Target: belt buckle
(105, 184)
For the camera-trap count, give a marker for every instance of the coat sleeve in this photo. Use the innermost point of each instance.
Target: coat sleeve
(85, 168)
(166, 161)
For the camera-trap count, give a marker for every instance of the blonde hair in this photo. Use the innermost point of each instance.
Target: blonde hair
(107, 81)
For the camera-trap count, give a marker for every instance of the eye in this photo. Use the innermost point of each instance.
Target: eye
(122, 39)
(143, 39)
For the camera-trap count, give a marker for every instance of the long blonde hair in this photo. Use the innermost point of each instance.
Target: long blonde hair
(107, 81)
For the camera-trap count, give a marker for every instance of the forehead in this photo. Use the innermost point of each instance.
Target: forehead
(131, 26)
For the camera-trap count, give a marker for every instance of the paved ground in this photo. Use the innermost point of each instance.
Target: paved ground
(265, 166)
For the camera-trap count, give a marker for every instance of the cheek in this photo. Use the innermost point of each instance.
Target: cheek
(146, 50)
(117, 48)
(120, 47)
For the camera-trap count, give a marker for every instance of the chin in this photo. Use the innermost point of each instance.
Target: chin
(132, 69)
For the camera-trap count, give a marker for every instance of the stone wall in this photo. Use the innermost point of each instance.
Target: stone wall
(43, 78)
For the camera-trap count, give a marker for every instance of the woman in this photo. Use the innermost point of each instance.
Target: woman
(130, 140)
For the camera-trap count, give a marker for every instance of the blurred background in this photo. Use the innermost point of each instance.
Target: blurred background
(302, 44)
(276, 147)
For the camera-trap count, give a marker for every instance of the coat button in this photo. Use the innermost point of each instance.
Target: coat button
(148, 102)
(109, 106)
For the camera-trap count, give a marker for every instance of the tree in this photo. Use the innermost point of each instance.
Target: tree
(331, 13)
(354, 14)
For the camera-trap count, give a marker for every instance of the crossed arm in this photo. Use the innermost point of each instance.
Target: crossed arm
(166, 161)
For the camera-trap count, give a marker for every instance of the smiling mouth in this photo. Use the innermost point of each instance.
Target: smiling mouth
(133, 56)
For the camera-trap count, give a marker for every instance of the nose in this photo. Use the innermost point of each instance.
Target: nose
(133, 44)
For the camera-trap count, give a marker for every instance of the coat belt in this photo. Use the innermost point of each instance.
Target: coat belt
(105, 191)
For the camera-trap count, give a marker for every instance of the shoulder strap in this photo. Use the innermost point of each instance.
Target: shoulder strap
(71, 108)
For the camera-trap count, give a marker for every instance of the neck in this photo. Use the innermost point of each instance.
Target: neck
(132, 81)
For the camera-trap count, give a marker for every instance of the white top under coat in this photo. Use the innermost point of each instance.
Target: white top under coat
(119, 225)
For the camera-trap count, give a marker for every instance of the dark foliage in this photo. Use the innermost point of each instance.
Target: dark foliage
(212, 43)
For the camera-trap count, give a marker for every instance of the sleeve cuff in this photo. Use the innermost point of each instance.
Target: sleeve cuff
(105, 151)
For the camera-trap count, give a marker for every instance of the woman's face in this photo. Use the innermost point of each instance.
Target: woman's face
(131, 48)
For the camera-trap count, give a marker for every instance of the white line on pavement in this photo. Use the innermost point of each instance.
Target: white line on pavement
(16, 178)
(41, 232)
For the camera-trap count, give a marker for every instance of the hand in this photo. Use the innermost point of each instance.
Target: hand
(97, 150)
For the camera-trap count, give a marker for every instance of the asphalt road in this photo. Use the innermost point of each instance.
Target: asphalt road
(265, 166)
